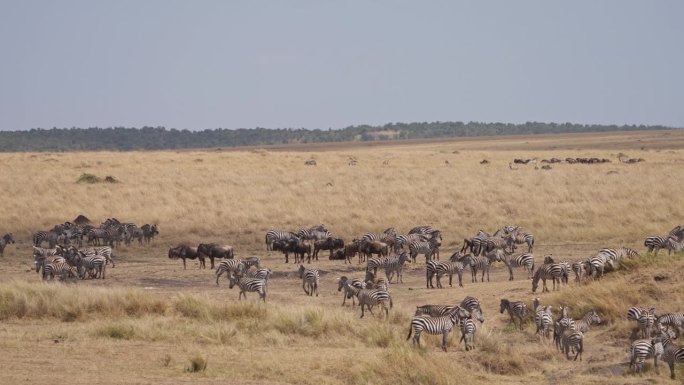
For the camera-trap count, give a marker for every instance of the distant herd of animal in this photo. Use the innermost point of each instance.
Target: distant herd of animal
(67, 258)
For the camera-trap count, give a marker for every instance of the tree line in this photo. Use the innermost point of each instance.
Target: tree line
(161, 138)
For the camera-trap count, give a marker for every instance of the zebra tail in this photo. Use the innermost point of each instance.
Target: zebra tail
(410, 331)
(391, 303)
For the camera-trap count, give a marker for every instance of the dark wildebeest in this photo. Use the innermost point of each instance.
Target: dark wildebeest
(215, 251)
(373, 247)
(338, 255)
(149, 232)
(295, 246)
(186, 252)
(329, 243)
(4, 241)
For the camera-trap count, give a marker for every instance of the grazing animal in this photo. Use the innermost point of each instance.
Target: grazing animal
(310, 279)
(435, 325)
(543, 319)
(215, 251)
(149, 232)
(246, 285)
(186, 252)
(643, 349)
(350, 287)
(235, 267)
(573, 339)
(525, 260)
(429, 248)
(371, 297)
(4, 241)
(468, 329)
(585, 322)
(553, 271)
(477, 263)
(439, 268)
(675, 320)
(273, 236)
(395, 265)
(516, 309)
(329, 243)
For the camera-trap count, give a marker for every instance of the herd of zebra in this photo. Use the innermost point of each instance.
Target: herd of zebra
(67, 258)
(110, 233)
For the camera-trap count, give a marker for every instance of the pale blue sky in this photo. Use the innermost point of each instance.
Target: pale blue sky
(320, 64)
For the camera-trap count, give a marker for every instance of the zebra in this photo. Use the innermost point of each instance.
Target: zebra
(671, 244)
(246, 285)
(672, 354)
(39, 251)
(388, 236)
(275, 235)
(675, 320)
(468, 328)
(435, 325)
(560, 326)
(655, 243)
(475, 243)
(394, 265)
(525, 260)
(93, 265)
(231, 267)
(374, 263)
(435, 310)
(472, 305)
(496, 243)
(62, 268)
(585, 322)
(350, 287)
(641, 350)
(618, 253)
(477, 263)
(543, 318)
(422, 230)
(4, 241)
(645, 319)
(259, 273)
(313, 234)
(573, 339)
(105, 251)
(149, 232)
(580, 270)
(516, 309)
(371, 297)
(524, 238)
(553, 271)
(45, 236)
(310, 278)
(402, 240)
(597, 265)
(429, 248)
(440, 268)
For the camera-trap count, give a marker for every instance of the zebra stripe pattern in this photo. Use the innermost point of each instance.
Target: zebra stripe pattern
(565, 323)
(438, 268)
(371, 297)
(476, 264)
(655, 243)
(310, 278)
(573, 340)
(543, 319)
(672, 354)
(104, 251)
(675, 320)
(275, 235)
(249, 285)
(435, 325)
(525, 260)
(585, 323)
(428, 248)
(619, 253)
(473, 306)
(641, 350)
(231, 267)
(515, 309)
(61, 269)
(395, 265)
(553, 271)
(94, 266)
(468, 329)
(350, 287)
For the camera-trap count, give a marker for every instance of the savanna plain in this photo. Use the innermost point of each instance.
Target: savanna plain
(151, 321)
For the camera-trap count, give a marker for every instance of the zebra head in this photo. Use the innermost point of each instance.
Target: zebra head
(341, 282)
(593, 317)
(504, 305)
(233, 280)
(476, 314)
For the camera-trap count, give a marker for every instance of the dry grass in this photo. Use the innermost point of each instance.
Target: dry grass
(154, 322)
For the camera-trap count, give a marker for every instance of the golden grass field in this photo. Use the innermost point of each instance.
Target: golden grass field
(150, 318)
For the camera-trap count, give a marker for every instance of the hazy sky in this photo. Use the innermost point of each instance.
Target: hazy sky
(320, 64)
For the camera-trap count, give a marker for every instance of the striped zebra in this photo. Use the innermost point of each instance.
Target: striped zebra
(313, 234)
(388, 236)
(230, 267)
(655, 243)
(371, 297)
(473, 306)
(374, 263)
(395, 265)
(672, 354)
(643, 349)
(543, 319)
(573, 340)
(275, 235)
(4, 241)
(590, 318)
(350, 287)
(429, 248)
(645, 319)
(524, 238)
(674, 320)
(498, 243)
(439, 268)
(525, 260)
(468, 328)
(560, 326)
(475, 244)
(62, 269)
(597, 265)
(45, 236)
(435, 310)
(553, 271)
(94, 266)
(249, 285)
(477, 263)
(580, 270)
(435, 325)
(259, 273)
(402, 240)
(619, 253)
(105, 251)
(516, 309)
(310, 279)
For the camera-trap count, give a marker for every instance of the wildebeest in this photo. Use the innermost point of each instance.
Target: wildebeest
(215, 251)
(338, 255)
(4, 241)
(149, 232)
(373, 247)
(329, 243)
(186, 252)
(295, 246)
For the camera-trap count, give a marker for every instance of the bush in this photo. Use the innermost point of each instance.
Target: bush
(88, 178)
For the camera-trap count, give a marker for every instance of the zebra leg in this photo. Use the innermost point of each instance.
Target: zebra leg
(445, 336)
(184, 267)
